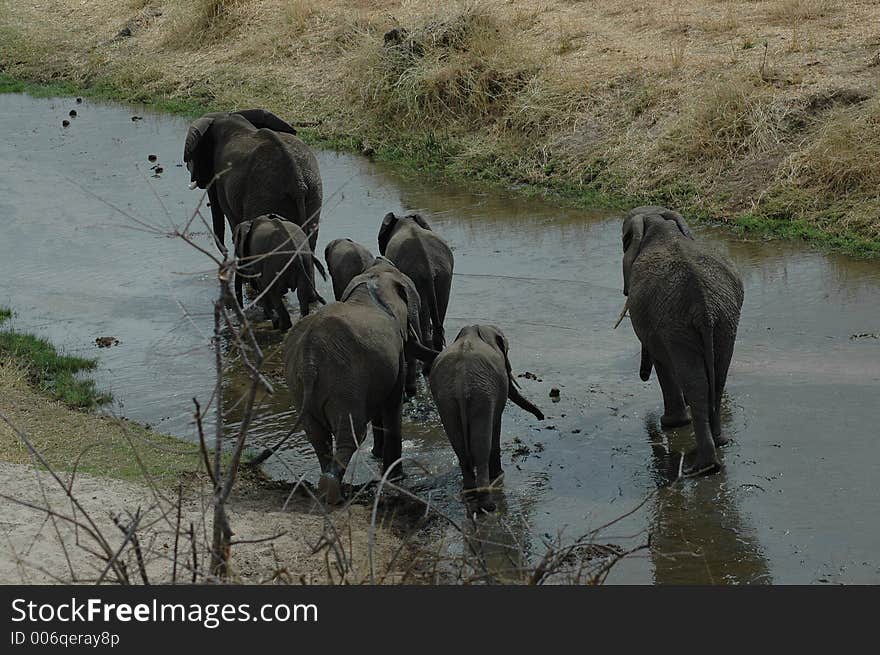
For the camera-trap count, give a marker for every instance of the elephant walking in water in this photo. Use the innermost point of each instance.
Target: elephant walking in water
(345, 260)
(252, 164)
(471, 382)
(684, 302)
(345, 369)
(275, 255)
(427, 259)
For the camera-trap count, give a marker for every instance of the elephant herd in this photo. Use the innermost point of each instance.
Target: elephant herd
(349, 364)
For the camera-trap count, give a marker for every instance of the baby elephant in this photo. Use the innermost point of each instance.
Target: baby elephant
(346, 259)
(275, 257)
(471, 382)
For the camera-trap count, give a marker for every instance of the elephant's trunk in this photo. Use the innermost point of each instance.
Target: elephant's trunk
(622, 314)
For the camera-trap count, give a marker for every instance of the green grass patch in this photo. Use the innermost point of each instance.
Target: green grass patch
(50, 371)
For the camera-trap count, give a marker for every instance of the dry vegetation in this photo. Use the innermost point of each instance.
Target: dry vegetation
(734, 110)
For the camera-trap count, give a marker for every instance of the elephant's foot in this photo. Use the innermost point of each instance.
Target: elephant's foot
(479, 503)
(330, 489)
(410, 390)
(698, 464)
(497, 478)
(675, 420)
(720, 440)
(396, 474)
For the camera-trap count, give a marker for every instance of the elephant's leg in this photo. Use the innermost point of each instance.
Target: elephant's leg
(425, 327)
(691, 371)
(321, 441)
(481, 433)
(349, 432)
(442, 289)
(410, 387)
(468, 483)
(277, 300)
(378, 436)
(675, 412)
(239, 283)
(722, 364)
(392, 447)
(496, 473)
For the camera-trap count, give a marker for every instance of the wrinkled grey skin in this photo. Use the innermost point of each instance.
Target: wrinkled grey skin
(471, 382)
(345, 368)
(684, 302)
(262, 168)
(345, 260)
(264, 248)
(414, 304)
(425, 257)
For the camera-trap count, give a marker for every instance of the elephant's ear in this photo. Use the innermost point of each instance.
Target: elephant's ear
(385, 231)
(355, 282)
(240, 237)
(197, 162)
(670, 215)
(260, 118)
(418, 218)
(495, 338)
(633, 231)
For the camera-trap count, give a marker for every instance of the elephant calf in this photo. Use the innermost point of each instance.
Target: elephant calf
(426, 258)
(684, 302)
(471, 382)
(274, 255)
(345, 260)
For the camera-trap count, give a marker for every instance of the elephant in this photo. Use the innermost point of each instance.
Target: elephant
(426, 258)
(684, 302)
(345, 260)
(344, 366)
(471, 382)
(252, 164)
(275, 255)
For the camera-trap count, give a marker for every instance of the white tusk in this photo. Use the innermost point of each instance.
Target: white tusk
(193, 185)
(622, 313)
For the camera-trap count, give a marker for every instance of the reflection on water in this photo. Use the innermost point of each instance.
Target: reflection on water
(797, 502)
(699, 536)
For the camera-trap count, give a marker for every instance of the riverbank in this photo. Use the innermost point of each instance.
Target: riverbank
(763, 115)
(115, 467)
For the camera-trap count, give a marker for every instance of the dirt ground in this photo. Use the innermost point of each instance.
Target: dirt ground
(271, 544)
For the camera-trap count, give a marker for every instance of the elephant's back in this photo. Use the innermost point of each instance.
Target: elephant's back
(686, 282)
(306, 161)
(469, 368)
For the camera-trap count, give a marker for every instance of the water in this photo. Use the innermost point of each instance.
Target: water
(797, 503)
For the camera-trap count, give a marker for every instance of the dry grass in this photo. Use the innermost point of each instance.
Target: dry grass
(735, 116)
(796, 10)
(608, 97)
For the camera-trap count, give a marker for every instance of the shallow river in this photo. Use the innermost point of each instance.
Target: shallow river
(798, 501)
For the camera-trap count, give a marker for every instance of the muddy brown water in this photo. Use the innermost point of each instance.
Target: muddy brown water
(798, 501)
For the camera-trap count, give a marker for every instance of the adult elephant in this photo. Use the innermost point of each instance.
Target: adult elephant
(684, 302)
(345, 368)
(252, 164)
(426, 258)
(345, 260)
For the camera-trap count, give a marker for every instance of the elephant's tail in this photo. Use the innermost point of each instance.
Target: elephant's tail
(707, 333)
